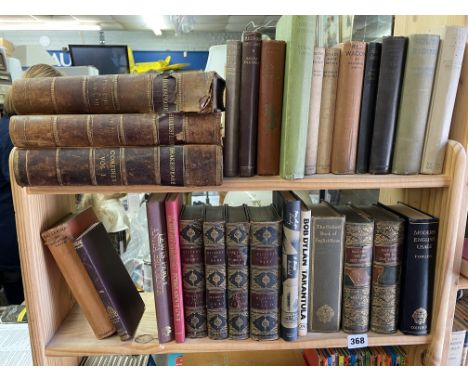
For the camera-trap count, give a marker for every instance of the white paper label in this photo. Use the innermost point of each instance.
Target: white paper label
(357, 341)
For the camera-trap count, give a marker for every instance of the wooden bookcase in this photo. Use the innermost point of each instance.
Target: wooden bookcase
(60, 334)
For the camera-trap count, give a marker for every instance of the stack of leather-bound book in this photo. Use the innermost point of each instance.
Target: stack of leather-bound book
(118, 130)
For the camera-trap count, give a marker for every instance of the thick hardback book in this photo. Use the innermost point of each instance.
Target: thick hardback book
(414, 104)
(189, 91)
(367, 115)
(289, 208)
(270, 104)
(357, 270)
(348, 104)
(327, 109)
(118, 293)
(59, 240)
(248, 108)
(112, 130)
(299, 34)
(444, 92)
(189, 165)
(231, 131)
(173, 205)
(214, 232)
(417, 270)
(193, 269)
(386, 268)
(237, 255)
(392, 64)
(265, 272)
(314, 111)
(326, 268)
(157, 231)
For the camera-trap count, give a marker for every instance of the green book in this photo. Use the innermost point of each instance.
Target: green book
(299, 34)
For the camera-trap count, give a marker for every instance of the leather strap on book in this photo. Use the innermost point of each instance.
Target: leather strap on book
(164, 94)
(170, 125)
(172, 165)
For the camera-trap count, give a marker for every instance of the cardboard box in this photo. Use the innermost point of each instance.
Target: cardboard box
(9, 47)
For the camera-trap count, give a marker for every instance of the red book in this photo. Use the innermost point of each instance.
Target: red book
(173, 206)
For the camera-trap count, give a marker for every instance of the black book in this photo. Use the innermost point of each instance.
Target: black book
(392, 63)
(369, 94)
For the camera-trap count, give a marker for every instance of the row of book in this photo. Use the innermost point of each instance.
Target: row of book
(379, 107)
(118, 130)
(458, 348)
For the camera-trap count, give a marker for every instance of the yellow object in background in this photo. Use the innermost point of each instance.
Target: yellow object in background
(158, 66)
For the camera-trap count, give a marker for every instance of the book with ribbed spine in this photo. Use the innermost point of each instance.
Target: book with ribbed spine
(193, 270)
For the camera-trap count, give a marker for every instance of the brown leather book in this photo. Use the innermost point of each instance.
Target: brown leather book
(189, 165)
(348, 103)
(189, 91)
(59, 240)
(109, 130)
(270, 104)
(248, 120)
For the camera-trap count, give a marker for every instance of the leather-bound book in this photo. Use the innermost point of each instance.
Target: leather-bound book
(265, 272)
(417, 270)
(189, 165)
(270, 103)
(248, 108)
(367, 115)
(189, 91)
(326, 268)
(59, 239)
(173, 205)
(112, 130)
(357, 270)
(193, 269)
(347, 107)
(392, 64)
(386, 268)
(237, 254)
(444, 91)
(416, 93)
(299, 34)
(314, 111)
(327, 109)
(157, 231)
(214, 232)
(111, 279)
(231, 131)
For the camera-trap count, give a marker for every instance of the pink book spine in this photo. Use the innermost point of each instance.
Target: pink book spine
(173, 205)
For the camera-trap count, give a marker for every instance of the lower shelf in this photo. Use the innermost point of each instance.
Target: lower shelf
(75, 338)
(462, 282)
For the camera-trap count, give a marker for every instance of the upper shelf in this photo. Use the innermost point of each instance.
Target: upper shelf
(314, 182)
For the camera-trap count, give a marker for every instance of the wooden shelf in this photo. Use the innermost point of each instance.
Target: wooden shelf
(462, 282)
(75, 338)
(315, 182)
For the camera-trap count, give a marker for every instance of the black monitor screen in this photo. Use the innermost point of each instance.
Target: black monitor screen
(108, 59)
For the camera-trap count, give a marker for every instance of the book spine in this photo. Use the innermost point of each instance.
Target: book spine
(290, 270)
(160, 270)
(193, 277)
(215, 279)
(327, 109)
(386, 105)
(172, 222)
(326, 274)
(270, 103)
(237, 248)
(265, 276)
(417, 278)
(414, 105)
(357, 276)
(347, 108)
(299, 34)
(248, 119)
(386, 270)
(108, 130)
(233, 84)
(443, 99)
(367, 115)
(304, 273)
(314, 111)
(119, 166)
